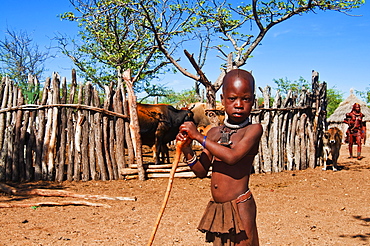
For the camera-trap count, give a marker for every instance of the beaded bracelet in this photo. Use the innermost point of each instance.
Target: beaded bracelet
(192, 161)
(204, 141)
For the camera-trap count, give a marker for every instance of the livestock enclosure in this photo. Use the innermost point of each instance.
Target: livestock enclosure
(72, 133)
(292, 128)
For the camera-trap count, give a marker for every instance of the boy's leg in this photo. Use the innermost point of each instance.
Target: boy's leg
(248, 213)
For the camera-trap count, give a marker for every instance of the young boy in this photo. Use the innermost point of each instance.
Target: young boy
(230, 217)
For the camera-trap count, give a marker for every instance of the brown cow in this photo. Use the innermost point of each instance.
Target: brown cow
(204, 118)
(159, 125)
(332, 141)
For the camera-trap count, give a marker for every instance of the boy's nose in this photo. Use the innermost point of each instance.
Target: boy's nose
(238, 103)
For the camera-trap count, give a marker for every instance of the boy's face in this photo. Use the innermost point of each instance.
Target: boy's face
(238, 98)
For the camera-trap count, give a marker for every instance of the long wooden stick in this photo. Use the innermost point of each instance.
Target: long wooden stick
(64, 203)
(179, 145)
(58, 193)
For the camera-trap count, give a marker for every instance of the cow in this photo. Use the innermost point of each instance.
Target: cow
(332, 141)
(159, 125)
(205, 118)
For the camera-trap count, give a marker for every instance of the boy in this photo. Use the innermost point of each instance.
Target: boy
(230, 217)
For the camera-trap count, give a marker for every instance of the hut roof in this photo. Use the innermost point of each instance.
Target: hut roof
(346, 107)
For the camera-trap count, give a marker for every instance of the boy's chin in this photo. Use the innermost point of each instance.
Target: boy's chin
(236, 119)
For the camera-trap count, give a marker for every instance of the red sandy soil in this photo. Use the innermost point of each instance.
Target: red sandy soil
(310, 207)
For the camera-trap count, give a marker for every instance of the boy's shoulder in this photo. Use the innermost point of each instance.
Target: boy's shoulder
(256, 127)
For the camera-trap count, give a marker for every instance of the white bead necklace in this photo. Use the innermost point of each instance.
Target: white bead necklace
(238, 126)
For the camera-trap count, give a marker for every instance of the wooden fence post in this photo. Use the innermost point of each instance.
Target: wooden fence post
(3, 127)
(59, 175)
(120, 132)
(134, 123)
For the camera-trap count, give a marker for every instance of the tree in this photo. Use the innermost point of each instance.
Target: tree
(19, 57)
(140, 34)
(114, 34)
(176, 99)
(180, 99)
(228, 25)
(364, 94)
(335, 97)
(285, 85)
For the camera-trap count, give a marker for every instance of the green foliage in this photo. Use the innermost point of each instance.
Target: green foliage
(119, 33)
(241, 27)
(176, 99)
(181, 99)
(111, 35)
(31, 93)
(144, 36)
(154, 91)
(335, 97)
(285, 85)
(365, 95)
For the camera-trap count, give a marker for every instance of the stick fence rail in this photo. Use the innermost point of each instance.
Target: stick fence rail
(75, 135)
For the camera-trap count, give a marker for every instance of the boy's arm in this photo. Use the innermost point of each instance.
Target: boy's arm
(201, 166)
(198, 164)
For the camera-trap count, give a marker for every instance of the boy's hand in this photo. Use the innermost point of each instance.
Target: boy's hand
(184, 139)
(190, 130)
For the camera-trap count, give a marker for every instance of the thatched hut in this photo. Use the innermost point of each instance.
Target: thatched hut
(336, 119)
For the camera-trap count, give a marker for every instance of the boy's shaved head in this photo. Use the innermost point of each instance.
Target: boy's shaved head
(238, 75)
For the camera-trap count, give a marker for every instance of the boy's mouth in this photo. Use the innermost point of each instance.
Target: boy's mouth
(237, 115)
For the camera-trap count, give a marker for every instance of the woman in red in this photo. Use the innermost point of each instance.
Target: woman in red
(356, 129)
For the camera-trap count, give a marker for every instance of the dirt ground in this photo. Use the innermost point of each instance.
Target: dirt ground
(311, 207)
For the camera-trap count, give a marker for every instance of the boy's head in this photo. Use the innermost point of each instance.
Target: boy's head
(238, 76)
(238, 95)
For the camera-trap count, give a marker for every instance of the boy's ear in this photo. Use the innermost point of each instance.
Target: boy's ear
(222, 100)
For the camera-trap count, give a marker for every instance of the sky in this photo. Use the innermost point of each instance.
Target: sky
(334, 44)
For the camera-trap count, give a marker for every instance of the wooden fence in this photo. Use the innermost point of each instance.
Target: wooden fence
(292, 129)
(72, 134)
